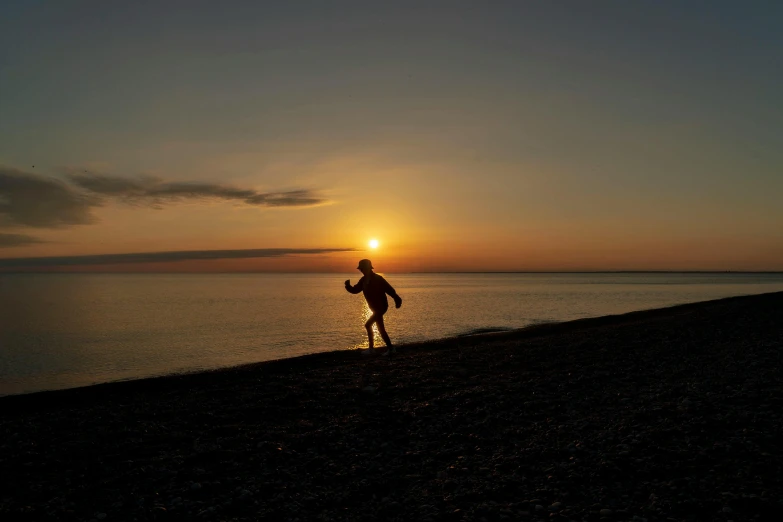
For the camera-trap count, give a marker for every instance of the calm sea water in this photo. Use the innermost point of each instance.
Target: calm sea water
(66, 330)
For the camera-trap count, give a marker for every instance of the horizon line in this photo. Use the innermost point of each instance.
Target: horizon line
(667, 271)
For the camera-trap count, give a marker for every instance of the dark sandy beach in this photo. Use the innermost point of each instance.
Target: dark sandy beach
(672, 414)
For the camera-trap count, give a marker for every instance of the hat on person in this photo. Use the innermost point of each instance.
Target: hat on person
(365, 263)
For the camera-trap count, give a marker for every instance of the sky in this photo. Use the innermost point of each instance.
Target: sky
(463, 136)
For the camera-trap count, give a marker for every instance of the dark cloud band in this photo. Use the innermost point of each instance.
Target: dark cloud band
(155, 192)
(161, 257)
(32, 200)
(37, 201)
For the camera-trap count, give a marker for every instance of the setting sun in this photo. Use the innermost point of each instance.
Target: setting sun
(374, 243)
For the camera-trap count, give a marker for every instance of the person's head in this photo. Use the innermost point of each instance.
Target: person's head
(365, 265)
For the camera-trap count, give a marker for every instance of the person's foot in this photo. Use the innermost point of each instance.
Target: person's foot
(367, 351)
(389, 351)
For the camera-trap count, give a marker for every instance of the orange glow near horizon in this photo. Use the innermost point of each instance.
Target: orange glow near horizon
(475, 226)
(424, 231)
(526, 254)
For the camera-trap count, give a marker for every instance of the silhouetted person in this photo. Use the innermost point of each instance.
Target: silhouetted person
(375, 289)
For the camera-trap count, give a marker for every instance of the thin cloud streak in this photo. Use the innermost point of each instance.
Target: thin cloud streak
(161, 257)
(16, 240)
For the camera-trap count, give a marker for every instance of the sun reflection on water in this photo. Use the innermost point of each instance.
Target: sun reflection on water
(377, 339)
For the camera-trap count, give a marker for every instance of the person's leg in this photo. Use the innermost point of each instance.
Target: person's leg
(368, 326)
(382, 330)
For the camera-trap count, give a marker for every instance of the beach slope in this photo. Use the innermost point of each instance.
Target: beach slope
(664, 414)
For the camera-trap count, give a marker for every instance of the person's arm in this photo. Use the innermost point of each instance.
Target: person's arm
(355, 289)
(392, 292)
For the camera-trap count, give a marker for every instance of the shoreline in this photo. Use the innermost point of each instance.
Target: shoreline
(671, 413)
(349, 355)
